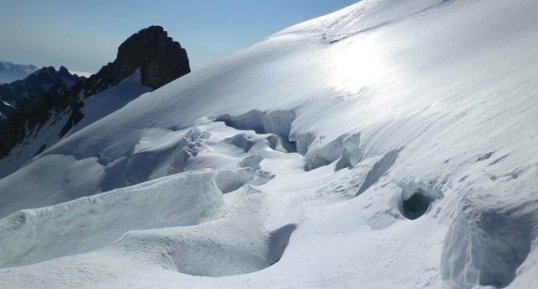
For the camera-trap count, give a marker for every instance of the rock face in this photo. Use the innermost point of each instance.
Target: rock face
(159, 58)
(47, 94)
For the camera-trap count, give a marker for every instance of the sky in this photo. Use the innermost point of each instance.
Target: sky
(84, 35)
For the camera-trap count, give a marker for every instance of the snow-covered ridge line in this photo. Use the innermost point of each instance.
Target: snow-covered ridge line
(368, 15)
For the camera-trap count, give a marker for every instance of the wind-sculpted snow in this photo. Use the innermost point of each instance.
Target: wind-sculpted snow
(391, 144)
(235, 245)
(345, 148)
(89, 223)
(49, 185)
(379, 169)
(147, 157)
(277, 122)
(202, 147)
(171, 199)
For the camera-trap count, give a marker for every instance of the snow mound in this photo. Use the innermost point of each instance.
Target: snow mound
(90, 223)
(236, 244)
(189, 253)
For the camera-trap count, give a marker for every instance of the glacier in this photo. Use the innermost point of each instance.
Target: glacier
(390, 144)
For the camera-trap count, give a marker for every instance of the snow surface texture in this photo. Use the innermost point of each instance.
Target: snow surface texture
(388, 145)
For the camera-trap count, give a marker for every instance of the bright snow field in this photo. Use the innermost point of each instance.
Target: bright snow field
(387, 145)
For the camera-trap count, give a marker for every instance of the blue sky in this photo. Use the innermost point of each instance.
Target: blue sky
(84, 35)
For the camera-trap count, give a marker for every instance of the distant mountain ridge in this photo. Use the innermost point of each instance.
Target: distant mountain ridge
(10, 71)
(30, 103)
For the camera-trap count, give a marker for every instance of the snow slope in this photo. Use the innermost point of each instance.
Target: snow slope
(387, 145)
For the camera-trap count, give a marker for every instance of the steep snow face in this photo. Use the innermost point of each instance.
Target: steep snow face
(36, 141)
(106, 102)
(388, 145)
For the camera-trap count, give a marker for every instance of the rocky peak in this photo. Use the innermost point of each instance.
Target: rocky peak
(159, 58)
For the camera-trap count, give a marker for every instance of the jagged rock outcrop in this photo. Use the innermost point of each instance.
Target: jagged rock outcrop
(159, 58)
(28, 104)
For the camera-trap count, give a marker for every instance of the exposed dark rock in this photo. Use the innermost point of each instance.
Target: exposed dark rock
(159, 57)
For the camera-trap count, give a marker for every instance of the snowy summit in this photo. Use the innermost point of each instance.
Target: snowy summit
(391, 144)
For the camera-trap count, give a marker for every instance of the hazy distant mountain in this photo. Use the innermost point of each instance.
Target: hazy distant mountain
(10, 72)
(39, 88)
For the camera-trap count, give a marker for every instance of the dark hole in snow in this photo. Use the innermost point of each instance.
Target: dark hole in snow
(416, 199)
(416, 206)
